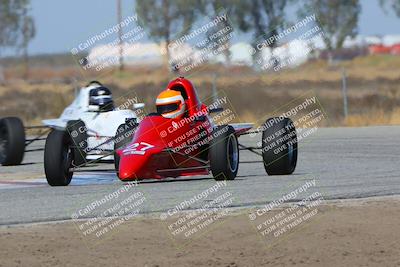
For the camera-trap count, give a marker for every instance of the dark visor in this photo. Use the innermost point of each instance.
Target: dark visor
(162, 109)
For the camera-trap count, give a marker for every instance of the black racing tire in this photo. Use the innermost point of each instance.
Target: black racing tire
(58, 158)
(12, 141)
(77, 132)
(279, 146)
(224, 153)
(122, 138)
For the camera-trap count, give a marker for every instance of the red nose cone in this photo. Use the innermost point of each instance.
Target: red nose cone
(129, 167)
(125, 175)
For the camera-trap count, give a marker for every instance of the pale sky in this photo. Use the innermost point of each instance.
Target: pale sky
(62, 24)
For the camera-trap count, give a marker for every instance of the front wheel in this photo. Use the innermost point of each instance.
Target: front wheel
(58, 158)
(77, 133)
(279, 146)
(224, 153)
(122, 138)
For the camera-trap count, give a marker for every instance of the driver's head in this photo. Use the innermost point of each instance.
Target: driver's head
(101, 97)
(170, 104)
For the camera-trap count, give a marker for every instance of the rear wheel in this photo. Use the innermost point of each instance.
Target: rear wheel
(58, 158)
(224, 153)
(279, 146)
(122, 138)
(12, 141)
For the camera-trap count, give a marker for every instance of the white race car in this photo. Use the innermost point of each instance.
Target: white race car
(91, 119)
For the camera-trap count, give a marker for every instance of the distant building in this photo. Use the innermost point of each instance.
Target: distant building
(292, 53)
(388, 44)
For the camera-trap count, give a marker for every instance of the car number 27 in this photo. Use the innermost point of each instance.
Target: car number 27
(137, 148)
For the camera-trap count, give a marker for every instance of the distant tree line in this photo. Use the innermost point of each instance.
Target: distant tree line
(258, 18)
(167, 20)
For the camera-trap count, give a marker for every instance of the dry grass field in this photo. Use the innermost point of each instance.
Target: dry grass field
(373, 89)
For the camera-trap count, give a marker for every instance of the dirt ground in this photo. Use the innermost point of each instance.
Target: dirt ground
(351, 233)
(373, 89)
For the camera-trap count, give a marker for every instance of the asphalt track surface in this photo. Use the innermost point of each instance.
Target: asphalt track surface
(345, 163)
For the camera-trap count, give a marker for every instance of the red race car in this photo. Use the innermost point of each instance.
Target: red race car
(182, 139)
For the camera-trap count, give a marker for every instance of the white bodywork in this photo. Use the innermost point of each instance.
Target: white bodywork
(101, 126)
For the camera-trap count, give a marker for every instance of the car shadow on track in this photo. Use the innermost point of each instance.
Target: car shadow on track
(266, 175)
(173, 180)
(23, 164)
(113, 180)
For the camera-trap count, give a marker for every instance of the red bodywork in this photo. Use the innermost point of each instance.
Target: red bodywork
(152, 152)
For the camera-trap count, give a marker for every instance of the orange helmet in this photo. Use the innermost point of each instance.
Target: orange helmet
(170, 104)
